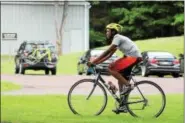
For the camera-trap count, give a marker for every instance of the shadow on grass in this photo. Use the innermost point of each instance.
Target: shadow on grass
(6, 122)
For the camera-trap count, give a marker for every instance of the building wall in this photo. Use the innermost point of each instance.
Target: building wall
(37, 22)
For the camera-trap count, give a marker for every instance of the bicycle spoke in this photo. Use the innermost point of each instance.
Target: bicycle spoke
(146, 100)
(85, 98)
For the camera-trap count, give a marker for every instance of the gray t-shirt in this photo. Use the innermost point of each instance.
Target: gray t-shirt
(126, 46)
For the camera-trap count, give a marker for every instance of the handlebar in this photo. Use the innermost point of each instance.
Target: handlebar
(94, 67)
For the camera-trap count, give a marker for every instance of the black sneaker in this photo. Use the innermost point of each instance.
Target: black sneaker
(121, 109)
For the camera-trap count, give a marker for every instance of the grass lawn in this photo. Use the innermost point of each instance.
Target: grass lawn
(175, 45)
(54, 109)
(7, 86)
(68, 63)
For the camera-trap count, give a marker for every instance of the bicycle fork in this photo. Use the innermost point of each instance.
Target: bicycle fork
(94, 86)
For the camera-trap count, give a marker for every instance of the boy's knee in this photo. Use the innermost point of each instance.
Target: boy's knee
(111, 69)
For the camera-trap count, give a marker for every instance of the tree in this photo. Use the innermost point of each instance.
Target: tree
(59, 28)
(140, 19)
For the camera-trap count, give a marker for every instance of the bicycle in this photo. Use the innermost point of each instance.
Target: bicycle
(136, 101)
(41, 55)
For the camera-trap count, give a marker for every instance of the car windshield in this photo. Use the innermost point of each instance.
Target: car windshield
(29, 46)
(160, 54)
(51, 47)
(96, 53)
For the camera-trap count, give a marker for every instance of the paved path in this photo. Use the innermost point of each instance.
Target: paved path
(60, 84)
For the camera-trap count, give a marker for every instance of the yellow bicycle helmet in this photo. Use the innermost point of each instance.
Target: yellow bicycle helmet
(115, 26)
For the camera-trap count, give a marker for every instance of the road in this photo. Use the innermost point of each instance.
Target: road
(60, 84)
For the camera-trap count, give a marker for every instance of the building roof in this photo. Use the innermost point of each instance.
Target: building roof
(46, 2)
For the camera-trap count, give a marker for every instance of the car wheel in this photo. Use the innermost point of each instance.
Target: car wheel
(53, 71)
(88, 73)
(47, 72)
(17, 66)
(144, 71)
(160, 75)
(16, 70)
(78, 69)
(175, 75)
(79, 73)
(21, 69)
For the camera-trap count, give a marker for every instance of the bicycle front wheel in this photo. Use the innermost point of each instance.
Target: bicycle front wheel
(87, 98)
(147, 99)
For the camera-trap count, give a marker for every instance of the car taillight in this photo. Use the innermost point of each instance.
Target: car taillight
(25, 53)
(176, 61)
(153, 61)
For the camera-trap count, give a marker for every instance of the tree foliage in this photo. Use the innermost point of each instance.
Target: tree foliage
(140, 19)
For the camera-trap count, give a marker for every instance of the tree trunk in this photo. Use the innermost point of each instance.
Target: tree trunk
(59, 29)
(58, 45)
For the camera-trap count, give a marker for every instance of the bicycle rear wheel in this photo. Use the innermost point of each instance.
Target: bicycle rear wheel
(50, 64)
(147, 99)
(79, 102)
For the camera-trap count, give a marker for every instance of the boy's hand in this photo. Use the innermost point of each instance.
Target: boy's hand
(89, 64)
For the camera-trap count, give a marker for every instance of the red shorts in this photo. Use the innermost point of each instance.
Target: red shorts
(123, 63)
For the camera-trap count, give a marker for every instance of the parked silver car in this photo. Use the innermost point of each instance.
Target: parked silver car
(160, 63)
(90, 55)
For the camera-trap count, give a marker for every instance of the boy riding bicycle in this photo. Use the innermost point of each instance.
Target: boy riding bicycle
(122, 67)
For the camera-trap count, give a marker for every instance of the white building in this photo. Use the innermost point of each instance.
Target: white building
(36, 21)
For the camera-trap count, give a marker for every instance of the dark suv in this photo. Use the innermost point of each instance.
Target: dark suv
(25, 48)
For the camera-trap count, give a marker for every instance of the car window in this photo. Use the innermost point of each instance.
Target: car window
(84, 55)
(28, 47)
(160, 54)
(51, 47)
(144, 55)
(40, 46)
(87, 54)
(96, 53)
(21, 47)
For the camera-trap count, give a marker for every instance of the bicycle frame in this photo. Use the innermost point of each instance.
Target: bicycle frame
(99, 79)
(39, 55)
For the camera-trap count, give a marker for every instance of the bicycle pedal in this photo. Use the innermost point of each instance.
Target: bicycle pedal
(116, 111)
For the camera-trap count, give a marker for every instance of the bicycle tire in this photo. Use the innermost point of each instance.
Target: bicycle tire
(158, 88)
(84, 81)
(49, 64)
(29, 61)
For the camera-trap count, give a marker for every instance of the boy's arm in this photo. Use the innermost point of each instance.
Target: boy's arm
(105, 55)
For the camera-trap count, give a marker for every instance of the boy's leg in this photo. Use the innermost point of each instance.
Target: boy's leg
(119, 77)
(115, 68)
(120, 84)
(119, 65)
